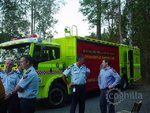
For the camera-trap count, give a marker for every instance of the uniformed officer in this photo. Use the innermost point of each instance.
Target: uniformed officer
(107, 79)
(27, 87)
(9, 79)
(78, 73)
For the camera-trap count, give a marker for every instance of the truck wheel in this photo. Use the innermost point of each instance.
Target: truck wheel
(57, 96)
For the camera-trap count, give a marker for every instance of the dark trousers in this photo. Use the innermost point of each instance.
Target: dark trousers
(1, 103)
(78, 95)
(106, 101)
(10, 105)
(27, 105)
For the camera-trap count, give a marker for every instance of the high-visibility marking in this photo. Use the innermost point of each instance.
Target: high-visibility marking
(45, 72)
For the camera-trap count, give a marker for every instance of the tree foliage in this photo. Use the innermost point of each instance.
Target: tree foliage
(138, 18)
(13, 19)
(103, 12)
(44, 12)
(19, 16)
(109, 15)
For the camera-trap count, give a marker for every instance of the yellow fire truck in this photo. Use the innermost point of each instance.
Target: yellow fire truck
(52, 57)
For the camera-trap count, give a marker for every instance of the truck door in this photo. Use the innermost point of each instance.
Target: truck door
(130, 64)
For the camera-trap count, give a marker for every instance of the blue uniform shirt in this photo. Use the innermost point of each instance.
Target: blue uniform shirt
(78, 74)
(29, 83)
(108, 77)
(20, 74)
(9, 80)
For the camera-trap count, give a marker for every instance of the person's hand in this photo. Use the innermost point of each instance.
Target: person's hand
(7, 96)
(87, 74)
(110, 87)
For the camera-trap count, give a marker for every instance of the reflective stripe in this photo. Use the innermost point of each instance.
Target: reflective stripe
(45, 72)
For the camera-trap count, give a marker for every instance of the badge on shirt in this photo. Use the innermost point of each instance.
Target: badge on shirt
(75, 69)
(25, 76)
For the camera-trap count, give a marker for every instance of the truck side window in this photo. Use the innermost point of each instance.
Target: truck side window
(46, 53)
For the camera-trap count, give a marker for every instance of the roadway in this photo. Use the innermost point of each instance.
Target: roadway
(133, 94)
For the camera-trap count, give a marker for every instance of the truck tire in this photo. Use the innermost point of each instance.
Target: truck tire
(57, 96)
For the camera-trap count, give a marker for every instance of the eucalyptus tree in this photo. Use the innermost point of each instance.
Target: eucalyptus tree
(18, 17)
(137, 27)
(92, 10)
(42, 15)
(103, 12)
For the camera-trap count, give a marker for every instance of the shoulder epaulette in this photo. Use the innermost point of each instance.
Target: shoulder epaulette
(1, 71)
(70, 66)
(12, 72)
(28, 72)
(16, 72)
(83, 64)
(113, 70)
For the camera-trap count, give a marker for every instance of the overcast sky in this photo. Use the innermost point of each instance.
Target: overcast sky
(69, 15)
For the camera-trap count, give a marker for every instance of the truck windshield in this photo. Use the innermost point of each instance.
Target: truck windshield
(14, 51)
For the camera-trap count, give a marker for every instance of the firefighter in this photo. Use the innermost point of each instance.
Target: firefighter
(9, 79)
(27, 87)
(107, 79)
(78, 72)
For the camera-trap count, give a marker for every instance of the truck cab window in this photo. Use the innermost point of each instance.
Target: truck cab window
(14, 51)
(46, 53)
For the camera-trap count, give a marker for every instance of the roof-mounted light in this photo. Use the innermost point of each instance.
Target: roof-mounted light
(31, 36)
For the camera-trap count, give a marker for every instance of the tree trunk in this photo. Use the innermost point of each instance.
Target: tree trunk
(98, 29)
(32, 15)
(98, 19)
(120, 32)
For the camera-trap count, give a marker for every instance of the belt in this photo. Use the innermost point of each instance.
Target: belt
(2, 96)
(79, 85)
(28, 98)
(105, 88)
